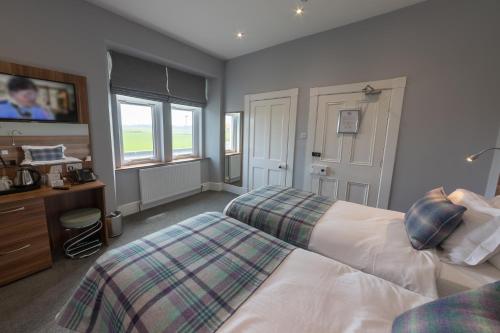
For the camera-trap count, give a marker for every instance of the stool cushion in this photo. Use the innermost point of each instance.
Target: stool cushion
(80, 218)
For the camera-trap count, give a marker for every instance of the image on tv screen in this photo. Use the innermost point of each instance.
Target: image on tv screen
(27, 99)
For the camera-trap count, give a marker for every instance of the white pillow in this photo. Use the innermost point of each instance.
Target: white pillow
(495, 260)
(27, 152)
(478, 237)
(495, 201)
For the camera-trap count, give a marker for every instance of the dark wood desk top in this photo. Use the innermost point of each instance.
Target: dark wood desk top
(46, 191)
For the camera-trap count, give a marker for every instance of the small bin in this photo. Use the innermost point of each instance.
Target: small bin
(114, 221)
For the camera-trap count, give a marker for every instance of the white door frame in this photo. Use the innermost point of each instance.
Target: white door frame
(397, 85)
(293, 95)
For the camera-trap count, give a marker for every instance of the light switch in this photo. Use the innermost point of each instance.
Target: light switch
(5, 152)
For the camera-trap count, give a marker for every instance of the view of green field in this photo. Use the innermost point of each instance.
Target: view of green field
(138, 139)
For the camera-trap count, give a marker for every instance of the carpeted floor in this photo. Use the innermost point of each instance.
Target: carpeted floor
(30, 304)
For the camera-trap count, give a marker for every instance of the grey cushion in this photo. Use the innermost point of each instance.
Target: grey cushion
(432, 219)
(80, 218)
(47, 154)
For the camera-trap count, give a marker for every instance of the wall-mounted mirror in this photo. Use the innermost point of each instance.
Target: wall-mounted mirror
(233, 148)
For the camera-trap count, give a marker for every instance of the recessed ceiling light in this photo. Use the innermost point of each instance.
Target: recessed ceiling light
(240, 35)
(299, 11)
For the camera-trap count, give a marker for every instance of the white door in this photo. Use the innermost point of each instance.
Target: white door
(350, 166)
(271, 136)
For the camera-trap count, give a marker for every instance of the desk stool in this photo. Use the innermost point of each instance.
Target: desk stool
(88, 222)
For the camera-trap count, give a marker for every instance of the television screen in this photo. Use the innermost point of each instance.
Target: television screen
(27, 99)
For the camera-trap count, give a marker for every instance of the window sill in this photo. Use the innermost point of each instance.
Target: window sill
(157, 164)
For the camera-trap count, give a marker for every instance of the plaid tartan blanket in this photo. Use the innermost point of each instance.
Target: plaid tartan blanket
(190, 277)
(284, 212)
(476, 310)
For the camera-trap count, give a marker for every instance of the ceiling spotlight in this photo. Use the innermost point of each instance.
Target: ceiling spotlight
(240, 35)
(299, 11)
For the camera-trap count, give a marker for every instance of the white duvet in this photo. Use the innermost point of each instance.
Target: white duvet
(374, 240)
(312, 293)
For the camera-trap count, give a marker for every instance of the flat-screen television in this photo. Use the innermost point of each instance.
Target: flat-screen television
(28, 99)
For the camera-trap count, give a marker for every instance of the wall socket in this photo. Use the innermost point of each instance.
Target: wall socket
(73, 166)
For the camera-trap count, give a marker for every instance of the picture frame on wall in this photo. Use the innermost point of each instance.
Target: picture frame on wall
(348, 122)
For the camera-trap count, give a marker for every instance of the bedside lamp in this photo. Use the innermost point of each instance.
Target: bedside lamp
(474, 157)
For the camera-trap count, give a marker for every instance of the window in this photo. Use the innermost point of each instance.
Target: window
(185, 131)
(232, 132)
(140, 130)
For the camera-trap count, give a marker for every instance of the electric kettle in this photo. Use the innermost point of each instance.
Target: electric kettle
(26, 177)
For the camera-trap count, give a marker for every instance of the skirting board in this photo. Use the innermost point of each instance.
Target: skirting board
(130, 208)
(135, 206)
(223, 187)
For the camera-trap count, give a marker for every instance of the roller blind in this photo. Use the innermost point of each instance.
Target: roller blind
(186, 88)
(140, 78)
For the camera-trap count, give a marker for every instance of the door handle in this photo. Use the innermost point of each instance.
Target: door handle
(282, 166)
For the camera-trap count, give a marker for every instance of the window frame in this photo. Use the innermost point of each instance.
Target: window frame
(196, 132)
(158, 129)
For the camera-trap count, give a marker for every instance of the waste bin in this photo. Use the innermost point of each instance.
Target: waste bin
(114, 221)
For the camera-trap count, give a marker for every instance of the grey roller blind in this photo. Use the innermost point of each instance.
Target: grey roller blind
(186, 88)
(136, 77)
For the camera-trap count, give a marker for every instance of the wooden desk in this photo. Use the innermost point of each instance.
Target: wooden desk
(30, 232)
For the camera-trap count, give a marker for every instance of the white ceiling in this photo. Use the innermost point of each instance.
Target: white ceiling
(211, 25)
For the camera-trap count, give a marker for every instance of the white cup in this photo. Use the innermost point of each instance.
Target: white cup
(5, 183)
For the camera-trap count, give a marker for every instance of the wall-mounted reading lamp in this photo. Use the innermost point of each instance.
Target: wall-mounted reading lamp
(474, 157)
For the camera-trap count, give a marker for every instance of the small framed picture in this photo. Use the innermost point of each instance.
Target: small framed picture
(348, 121)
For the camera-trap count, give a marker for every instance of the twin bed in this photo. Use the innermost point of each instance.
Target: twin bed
(369, 239)
(228, 273)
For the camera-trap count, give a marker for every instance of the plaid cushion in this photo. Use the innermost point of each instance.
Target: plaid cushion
(432, 219)
(471, 311)
(47, 154)
(190, 277)
(284, 212)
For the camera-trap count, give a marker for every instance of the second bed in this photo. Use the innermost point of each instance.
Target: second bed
(370, 239)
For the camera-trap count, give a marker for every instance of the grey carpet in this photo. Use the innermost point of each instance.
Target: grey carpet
(30, 304)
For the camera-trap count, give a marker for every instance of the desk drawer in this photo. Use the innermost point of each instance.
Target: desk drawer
(24, 240)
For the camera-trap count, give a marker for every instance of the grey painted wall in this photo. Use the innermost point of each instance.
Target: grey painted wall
(450, 53)
(73, 36)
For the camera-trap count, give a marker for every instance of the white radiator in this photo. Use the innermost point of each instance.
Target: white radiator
(161, 183)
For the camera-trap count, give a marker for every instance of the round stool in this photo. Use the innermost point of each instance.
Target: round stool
(81, 245)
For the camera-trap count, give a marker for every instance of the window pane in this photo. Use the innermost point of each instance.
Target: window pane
(182, 132)
(137, 131)
(229, 133)
(232, 132)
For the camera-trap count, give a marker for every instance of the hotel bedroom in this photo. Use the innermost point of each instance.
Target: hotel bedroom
(249, 166)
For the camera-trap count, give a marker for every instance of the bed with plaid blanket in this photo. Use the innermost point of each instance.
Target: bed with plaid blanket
(190, 277)
(284, 212)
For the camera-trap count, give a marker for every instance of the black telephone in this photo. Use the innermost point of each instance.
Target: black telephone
(84, 175)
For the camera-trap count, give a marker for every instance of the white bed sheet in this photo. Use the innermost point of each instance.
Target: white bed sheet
(453, 279)
(374, 241)
(312, 293)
